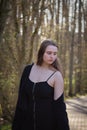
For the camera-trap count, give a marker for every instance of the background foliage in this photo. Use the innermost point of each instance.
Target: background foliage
(23, 25)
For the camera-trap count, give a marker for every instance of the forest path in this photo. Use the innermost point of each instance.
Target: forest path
(77, 113)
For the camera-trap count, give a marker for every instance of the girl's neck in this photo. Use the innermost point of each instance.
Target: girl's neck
(44, 67)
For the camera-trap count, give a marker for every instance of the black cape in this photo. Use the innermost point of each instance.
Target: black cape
(36, 109)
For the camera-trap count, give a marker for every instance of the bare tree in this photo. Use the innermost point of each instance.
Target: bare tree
(72, 52)
(4, 11)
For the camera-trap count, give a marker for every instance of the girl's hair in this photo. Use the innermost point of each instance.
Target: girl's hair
(41, 52)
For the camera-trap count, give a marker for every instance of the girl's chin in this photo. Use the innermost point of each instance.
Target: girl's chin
(50, 62)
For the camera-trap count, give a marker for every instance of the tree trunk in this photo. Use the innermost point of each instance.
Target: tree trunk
(72, 54)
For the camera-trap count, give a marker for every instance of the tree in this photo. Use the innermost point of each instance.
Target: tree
(24, 26)
(4, 12)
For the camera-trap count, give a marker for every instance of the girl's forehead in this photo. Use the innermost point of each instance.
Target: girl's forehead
(51, 47)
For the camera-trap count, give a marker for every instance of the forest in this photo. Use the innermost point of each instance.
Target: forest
(24, 24)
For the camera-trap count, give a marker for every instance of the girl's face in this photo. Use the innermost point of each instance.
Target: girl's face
(50, 54)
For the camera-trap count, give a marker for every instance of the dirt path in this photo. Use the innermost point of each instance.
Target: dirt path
(77, 113)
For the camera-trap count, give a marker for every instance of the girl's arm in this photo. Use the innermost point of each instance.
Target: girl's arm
(60, 114)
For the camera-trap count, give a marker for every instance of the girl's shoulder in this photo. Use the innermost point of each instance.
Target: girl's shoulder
(58, 75)
(28, 66)
(27, 69)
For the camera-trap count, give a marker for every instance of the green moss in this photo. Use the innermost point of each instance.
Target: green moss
(5, 127)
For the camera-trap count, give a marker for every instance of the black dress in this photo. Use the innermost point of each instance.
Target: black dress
(36, 108)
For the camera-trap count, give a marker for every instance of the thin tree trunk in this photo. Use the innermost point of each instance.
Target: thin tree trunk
(72, 54)
(4, 10)
(79, 55)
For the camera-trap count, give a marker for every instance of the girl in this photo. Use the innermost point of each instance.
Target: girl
(40, 104)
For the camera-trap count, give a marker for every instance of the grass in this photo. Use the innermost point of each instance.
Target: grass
(5, 127)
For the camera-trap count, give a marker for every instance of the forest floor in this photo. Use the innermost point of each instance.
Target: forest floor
(77, 113)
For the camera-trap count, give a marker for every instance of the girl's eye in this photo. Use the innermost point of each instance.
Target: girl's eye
(55, 53)
(48, 53)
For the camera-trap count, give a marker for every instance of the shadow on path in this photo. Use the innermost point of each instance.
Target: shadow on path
(77, 113)
(77, 107)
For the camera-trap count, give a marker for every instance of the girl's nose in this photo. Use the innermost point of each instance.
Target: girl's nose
(52, 55)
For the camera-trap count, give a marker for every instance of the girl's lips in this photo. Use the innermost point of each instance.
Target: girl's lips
(50, 60)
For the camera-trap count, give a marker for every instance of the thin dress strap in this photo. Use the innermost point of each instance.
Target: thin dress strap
(51, 75)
